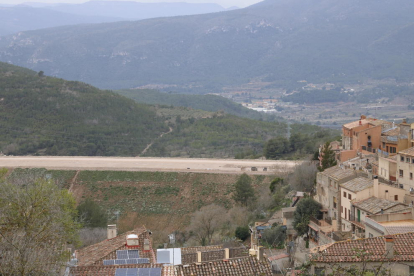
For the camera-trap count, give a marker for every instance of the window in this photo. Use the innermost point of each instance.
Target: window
(412, 160)
(402, 158)
(393, 150)
(342, 209)
(370, 235)
(334, 202)
(401, 173)
(411, 176)
(349, 196)
(345, 194)
(411, 270)
(396, 198)
(345, 212)
(319, 271)
(407, 160)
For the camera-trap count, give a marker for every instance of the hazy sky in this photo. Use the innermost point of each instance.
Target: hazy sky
(224, 3)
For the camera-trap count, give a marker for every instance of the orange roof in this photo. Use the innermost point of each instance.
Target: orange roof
(106, 249)
(346, 251)
(356, 123)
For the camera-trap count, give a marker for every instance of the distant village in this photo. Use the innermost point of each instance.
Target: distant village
(367, 204)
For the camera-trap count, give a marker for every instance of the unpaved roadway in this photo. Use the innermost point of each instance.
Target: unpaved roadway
(226, 166)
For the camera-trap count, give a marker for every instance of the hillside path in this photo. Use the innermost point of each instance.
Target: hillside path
(72, 182)
(149, 145)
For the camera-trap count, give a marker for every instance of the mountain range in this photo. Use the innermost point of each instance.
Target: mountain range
(33, 16)
(279, 41)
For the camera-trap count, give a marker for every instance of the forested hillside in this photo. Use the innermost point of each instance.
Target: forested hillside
(278, 41)
(44, 115)
(212, 103)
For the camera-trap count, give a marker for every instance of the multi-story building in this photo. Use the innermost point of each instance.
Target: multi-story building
(328, 190)
(363, 135)
(388, 224)
(405, 169)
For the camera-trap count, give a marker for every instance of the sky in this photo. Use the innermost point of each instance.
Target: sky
(224, 3)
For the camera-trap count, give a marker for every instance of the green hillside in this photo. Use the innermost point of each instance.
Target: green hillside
(280, 41)
(211, 103)
(44, 115)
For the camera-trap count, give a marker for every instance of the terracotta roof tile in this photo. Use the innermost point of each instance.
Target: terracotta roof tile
(346, 251)
(246, 266)
(409, 151)
(106, 249)
(277, 257)
(338, 172)
(356, 123)
(357, 184)
(374, 205)
(109, 270)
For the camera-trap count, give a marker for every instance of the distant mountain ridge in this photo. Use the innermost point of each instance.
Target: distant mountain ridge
(33, 16)
(135, 10)
(280, 41)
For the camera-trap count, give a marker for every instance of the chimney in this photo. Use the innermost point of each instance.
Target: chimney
(363, 117)
(259, 255)
(132, 240)
(360, 123)
(376, 188)
(389, 246)
(112, 231)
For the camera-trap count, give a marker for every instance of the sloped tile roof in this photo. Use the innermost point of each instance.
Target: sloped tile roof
(246, 266)
(277, 257)
(356, 123)
(357, 184)
(409, 151)
(345, 251)
(186, 250)
(106, 249)
(374, 205)
(379, 122)
(394, 131)
(338, 173)
(109, 270)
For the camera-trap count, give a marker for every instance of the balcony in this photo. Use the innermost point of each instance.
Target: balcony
(324, 225)
(358, 223)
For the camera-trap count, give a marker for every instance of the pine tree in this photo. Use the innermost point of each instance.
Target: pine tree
(244, 192)
(328, 157)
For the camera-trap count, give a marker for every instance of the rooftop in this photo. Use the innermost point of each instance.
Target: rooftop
(338, 173)
(357, 184)
(106, 249)
(346, 251)
(394, 131)
(246, 266)
(374, 205)
(278, 257)
(357, 123)
(409, 151)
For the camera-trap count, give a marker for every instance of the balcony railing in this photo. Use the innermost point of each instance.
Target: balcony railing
(357, 222)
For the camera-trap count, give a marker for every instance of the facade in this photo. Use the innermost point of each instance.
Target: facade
(328, 190)
(387, 168)
(405, 169)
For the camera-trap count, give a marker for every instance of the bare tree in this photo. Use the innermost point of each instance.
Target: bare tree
(206, 222)
(36, 223)
(303, 178)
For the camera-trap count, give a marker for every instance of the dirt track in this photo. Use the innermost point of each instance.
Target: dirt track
(148, 164)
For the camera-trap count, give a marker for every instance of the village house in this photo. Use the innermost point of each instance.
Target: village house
(131, 254)
(362, 136)
(405, 169)
(328, 192)
(360, 190)
(391, 252)
(388, 224)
